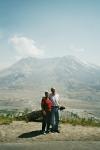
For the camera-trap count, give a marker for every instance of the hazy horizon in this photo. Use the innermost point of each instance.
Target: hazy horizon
(54, 28)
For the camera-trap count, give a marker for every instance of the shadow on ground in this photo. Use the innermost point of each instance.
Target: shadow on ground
(30, 134)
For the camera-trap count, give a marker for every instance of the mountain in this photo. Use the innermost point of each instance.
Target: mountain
(67, 74)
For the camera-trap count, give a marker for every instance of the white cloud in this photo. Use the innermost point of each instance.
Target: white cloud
(25, 47)
(76, 49)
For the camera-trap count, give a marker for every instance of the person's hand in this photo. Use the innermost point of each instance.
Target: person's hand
(44, 113)
(49, 110)
(61, 108)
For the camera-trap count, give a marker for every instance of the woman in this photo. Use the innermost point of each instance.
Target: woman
(46, 105)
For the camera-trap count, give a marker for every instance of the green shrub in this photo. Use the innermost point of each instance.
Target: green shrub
(5, 120)
(81, 121)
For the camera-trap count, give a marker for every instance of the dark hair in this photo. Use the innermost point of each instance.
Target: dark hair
(46, 92)
(52, 89)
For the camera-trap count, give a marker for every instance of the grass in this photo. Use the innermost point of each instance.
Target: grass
(5, 120)
(82, 121)
(75, 120)
(8, 117)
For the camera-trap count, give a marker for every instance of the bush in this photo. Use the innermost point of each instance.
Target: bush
(81, 121)
(5, 120)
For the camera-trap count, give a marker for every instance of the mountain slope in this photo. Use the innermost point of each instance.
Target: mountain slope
(67, 74)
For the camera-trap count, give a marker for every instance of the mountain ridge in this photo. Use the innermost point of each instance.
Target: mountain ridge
(64, 73)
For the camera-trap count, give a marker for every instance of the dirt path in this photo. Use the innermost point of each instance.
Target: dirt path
(20, 132)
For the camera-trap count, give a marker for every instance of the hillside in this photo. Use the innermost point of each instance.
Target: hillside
(71, 77)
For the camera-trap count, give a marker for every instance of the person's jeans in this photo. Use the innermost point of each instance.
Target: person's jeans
(55, 118)
(46, 121)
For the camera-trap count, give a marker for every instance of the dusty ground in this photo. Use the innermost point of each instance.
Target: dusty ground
(19, 132)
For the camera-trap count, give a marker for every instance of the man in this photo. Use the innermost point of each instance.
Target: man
(46, 106)
(54, 97)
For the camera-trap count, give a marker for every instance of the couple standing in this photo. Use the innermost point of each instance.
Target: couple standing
(50, 111)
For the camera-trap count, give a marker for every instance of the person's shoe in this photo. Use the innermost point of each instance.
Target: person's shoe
(48, 131)
(52, 131)
(57, 131)
(43, 132)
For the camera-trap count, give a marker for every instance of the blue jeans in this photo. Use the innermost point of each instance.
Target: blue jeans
(55, 118)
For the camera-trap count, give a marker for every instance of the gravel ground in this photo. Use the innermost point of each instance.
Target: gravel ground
(21, 132)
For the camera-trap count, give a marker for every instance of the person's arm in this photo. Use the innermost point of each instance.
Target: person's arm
(42, 104)
(50, 105)
(60, 106)
(57, 100)
(42, 107)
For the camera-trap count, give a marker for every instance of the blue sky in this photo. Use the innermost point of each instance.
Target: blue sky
(49, 28)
